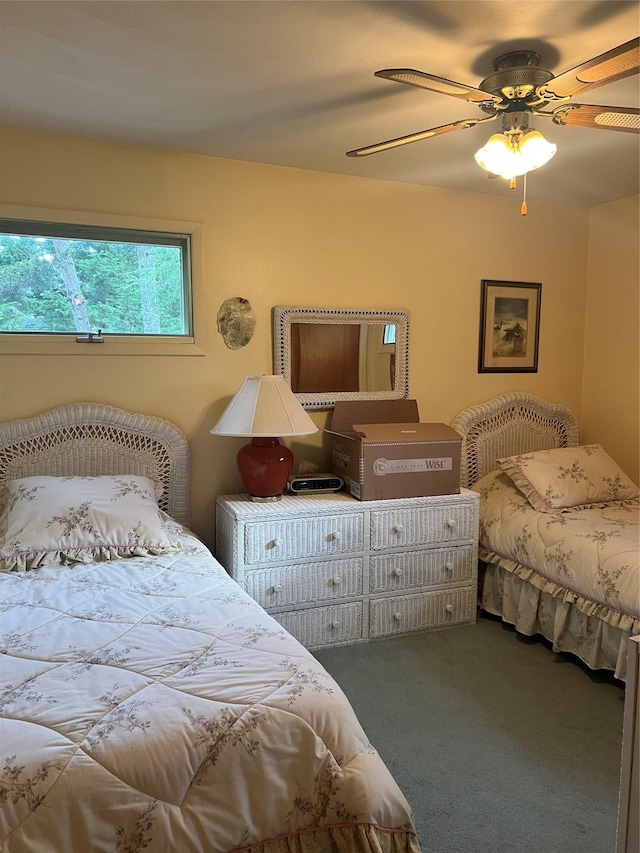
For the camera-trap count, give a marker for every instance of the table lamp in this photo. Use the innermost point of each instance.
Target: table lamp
(263, 408)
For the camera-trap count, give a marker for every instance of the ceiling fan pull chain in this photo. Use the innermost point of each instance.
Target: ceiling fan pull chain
(523, 209)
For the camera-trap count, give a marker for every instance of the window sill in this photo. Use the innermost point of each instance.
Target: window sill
(113, 345)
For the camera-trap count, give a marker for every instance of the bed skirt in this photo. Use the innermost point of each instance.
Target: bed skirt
(344, 839)
(533, 611)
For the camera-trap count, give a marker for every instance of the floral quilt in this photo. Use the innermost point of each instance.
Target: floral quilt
(148, 703)
(588, 556)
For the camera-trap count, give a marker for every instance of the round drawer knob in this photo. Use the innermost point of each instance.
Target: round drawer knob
(277, 587)
(448, 567)
(398, 528)
(334, 537)
(397, 616)
(275, 543)
(451, 523)
(449, 608)
(336, 581)
(397, 573)
(335, 624)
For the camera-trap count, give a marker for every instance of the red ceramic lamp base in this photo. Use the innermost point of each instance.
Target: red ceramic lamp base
(264, 467)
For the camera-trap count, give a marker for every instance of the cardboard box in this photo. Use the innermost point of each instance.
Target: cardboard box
(381, 450)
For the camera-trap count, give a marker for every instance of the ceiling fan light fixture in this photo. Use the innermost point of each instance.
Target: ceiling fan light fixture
(535, 150)
(515, 154)
(497, 156)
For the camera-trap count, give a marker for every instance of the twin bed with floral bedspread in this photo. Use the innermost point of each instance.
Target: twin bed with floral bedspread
(147, 702)
(559, 528)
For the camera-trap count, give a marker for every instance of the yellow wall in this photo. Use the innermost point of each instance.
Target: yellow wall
(286, 236)
(611, 394)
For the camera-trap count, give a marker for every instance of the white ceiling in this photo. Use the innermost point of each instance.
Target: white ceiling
(291, 83)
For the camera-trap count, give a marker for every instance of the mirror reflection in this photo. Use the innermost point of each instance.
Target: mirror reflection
(342, 357)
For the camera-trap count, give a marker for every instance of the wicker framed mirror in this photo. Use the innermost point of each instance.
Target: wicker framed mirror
(327, 355)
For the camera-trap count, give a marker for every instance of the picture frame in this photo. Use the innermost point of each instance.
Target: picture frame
(509, 326)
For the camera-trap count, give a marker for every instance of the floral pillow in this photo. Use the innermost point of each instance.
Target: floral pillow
(50, 521)
(569, 478)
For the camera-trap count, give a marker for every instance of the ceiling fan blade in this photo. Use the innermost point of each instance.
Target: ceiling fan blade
(604, 118)
(416, 137)
(439, 84)
(615, 64)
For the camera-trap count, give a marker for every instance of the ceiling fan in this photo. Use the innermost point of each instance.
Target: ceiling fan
(517, 89)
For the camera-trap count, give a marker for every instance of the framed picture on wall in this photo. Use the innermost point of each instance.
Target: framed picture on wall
(509, 326)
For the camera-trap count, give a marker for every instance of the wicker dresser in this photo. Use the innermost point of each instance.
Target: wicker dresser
(334, 570)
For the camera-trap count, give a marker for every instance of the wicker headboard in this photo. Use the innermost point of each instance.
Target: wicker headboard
(509, 424)
(90, 439)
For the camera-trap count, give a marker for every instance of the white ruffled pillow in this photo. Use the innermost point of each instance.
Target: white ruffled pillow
(50, 521)
(569, 478)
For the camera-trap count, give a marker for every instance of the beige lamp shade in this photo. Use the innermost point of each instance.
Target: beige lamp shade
(264, 406)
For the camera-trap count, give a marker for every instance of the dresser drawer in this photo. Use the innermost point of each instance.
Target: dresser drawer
(399, 614)
(286, 540)
(282, 586)
(403, 528)
(417, 569)
(324, 626)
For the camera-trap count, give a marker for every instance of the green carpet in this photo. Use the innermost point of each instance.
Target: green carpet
(498, 744)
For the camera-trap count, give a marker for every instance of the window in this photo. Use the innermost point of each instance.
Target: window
(71, 279)
(389, 335)
(65, 276)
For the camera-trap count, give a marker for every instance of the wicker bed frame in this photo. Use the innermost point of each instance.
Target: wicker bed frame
(507, 425)
(92, 439)
(67, 756)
